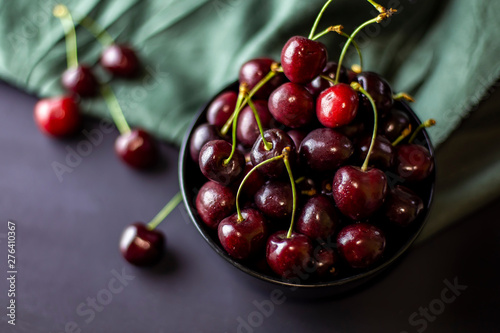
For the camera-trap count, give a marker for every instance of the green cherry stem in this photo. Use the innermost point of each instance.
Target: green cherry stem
(286, 153)
(380, 8)
(356, 86)
(238, 211)
(404, 134)
(114, 109)
(163, 213)
(267, 145)
(318, 18)
(97, 31)
(425, 124)
(237, 109)
(63, 14)
(403, 96)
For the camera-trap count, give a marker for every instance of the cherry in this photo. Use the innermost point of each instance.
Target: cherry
(275, 199)
(57, 116)
(137, 148)
(221, 108)
(303, 59)
(247, 130)
(382, 155)
(357, 193)
(413, 162)
(253, 71)
(215, 202)
(279, 140)
(292, 105)
(324, 149)
(120, 60)
(288, 256)
(402, 206)
(326, 259)
(201, 135)
(215, 166)
(318, 219)
(316, 86)
(243, 239)
(394, 123)
(378, 88)
(80, 80)
(337, 105)
(142, 246)
(361, 244)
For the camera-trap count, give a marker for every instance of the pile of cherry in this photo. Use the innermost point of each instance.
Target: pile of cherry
(313, 145)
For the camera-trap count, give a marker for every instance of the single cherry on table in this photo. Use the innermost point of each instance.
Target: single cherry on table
(57, 116)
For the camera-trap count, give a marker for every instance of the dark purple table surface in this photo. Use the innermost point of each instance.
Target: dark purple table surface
(71, 277)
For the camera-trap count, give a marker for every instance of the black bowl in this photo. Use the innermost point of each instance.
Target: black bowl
(191, 181)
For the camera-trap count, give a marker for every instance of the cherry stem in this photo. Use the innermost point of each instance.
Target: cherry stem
(163, 213)
(338, 29)
(286, 154)
(267, 145)
(97, 31)
(356, 86)
(114, 109)
(272, 159)
(381, 9)
(318, 18)
(326, 77)
(403, 96)
(62, 12)
(425, 124)
(404, 134)
(237, 110)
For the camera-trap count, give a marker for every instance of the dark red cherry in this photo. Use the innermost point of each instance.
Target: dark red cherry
(357, 193)
(201, 135)
(275, 199)
(279, 140)
(80, 80)
(289, 257)
(379, 89)
(57, 116)
(214, 202)
(292, 105)
(324, 149)
(382, 155)
(222, 108)
(303, 59)
(318, 218)
(142, 246)
(120, 60)
(319, 84)
(213, 164)
(137, 148)
(326, 261)
(243, 239)
(253, 71)
(337, 105)
(247, 130)
(393, 124)
(402, 206)
(413, 162)
(361, 245)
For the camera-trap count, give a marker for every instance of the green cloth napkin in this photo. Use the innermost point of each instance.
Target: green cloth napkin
(443, 52)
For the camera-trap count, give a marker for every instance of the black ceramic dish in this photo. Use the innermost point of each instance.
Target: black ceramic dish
(191, 181)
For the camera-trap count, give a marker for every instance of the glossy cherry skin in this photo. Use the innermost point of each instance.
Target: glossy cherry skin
(337, 105)
(318, 218)
(303, 59)
(142, 246)
(221, 108)
(361, 245)
(326, 259)
(382, 155)
(247, 130)
(120, 60)
(279, 140)
(253, 71)
(215, 202)
(57, 116)
(288, 257)
(402, 206)
(316, 86)
(292, 105)
(212, 162)
(413, 162)
(137, 148)
(379, 89)
(393, 124)
(243, 239)
(275, 199)
(324, 149)
(80, 80)
(201, 135)
(358, 194)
